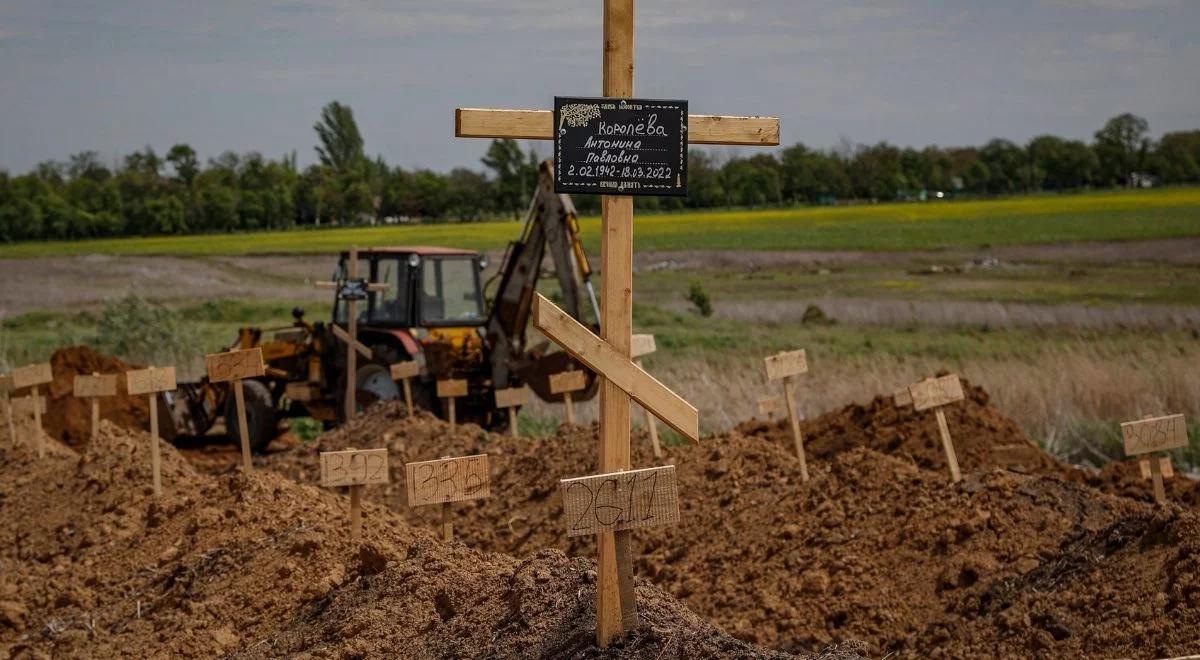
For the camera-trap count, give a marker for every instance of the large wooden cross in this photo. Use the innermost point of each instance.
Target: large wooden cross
(615, 593)
(351, 289)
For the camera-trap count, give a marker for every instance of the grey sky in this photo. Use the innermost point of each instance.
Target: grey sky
(115, 75)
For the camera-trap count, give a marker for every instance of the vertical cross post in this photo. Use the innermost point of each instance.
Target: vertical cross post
(352, 327)
(95, 410)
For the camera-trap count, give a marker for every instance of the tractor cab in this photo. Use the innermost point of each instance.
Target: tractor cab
(428, 287)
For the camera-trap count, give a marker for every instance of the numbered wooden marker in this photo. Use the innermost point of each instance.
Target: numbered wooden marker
(445, 481)
(93, 388)
(564, 383)
(769, 405)
(33, 376)
(1155, 434)
(617, 501)
(449, 390)
(902, 398)
(233, 367)
(935, 393)
(350, 290)
(354, 468)
(6, 388)
(403, 371)
(786, 366)
(512, 398)
(22, 408)
(640, 346)
(150, 382)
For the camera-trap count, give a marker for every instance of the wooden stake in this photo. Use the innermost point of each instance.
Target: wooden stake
(948, 445)
(447, 523)
(570, 408)
(95, 412)
(512, 423)
(239, 398)
(155, 459)
(37, 423)
(355, 513)
(450, 410)
(1156, 474)
(408, 395)
(351, 356)
(789, 397)
(12, 427)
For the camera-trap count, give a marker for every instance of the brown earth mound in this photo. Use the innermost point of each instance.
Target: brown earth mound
(92, 565)
(69, 420)
(876, 547)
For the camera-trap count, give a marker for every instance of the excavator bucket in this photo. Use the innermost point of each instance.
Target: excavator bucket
(536, 374)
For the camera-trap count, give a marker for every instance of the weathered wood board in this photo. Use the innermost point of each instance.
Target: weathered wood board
(617, 501)
(454, 387)
(568, 381)
(235, 365)
(790, 363)
(934, 392)
(1154, 434)
(902, 398)
(406, 369)
(641, 345)
(448, 480)
(22, 406)
(512, 396)
(1164, 463)
(31, 374)
(87, 387)
(354, 467)
(6, 383)
(770, 404)
(149, 381)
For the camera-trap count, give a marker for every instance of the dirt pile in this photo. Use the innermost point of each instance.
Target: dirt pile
(69, 419)
(92, 565)
(876, 547)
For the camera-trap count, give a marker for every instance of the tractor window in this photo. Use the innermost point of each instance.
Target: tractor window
(450, 291)
(392, 306)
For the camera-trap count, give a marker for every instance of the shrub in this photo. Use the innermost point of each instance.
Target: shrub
(138, 330)
(700, 300)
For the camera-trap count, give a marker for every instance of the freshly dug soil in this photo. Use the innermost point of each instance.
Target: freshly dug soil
(878, 546)
(69, 420)
(256, 565)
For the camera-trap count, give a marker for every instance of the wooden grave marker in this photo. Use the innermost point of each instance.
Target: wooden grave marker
(786, 366)
(936, 393)
(639, 347)
(449, 390)
(445, 481)
(902, 398)
(233, 367)
(150, 382)
(629, 499)
(1164, 463)
(6, 389)
(564, 383)
(616, 607)
(22, 408)
(350, 290)
(1152, 435)
(33, 376)
(512, 398)
(93, 388)
(403, 372)
(354, 468)
(769, 405)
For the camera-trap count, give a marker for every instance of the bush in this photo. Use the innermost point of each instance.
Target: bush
(700, 300)
(135, 329)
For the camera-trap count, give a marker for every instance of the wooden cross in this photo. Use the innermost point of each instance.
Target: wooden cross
(449, 390)
(34, 376)
(936, 393)
(354, 468)
(566, 382)
(351, 289)
(403, 371)
(787, 366)
(150, 382)
(512, 398)
(615, 605)
(639, 347)
(233, 367)
(1150, 436)
(92, 388)
(5, 390)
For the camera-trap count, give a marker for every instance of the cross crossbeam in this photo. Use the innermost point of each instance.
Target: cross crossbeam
(539, 125)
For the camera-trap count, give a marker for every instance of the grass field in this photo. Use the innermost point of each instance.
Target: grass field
(1108, 216)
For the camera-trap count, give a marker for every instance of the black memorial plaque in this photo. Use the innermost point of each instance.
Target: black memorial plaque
(609, 146)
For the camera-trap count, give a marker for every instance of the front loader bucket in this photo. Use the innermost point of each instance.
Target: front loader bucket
(536, 374)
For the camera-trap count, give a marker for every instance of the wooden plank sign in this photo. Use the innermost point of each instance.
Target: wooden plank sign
(512, 398)
(450, 390)
(786, 366)
(641, 346)
(233, 367)
(150, 382)
(1154, 434)
(448, 480)
(31, 375)
(617, 501)
(93, 387)
(354, 468)
(564, 383)
(403, 371)
(934, 392)
(788, 363)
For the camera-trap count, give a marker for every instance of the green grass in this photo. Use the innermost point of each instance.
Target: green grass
(1110, 216)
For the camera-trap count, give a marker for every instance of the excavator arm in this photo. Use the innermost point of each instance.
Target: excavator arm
(552, 226)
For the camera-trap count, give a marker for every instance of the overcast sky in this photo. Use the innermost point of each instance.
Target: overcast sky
(116, 75)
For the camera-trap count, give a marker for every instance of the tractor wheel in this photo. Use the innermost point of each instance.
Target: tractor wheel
(260, 415)
(374, 384)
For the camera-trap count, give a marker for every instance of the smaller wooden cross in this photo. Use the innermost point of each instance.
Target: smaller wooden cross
(448, 480)
(354, 468)
(93, 388)
(233, 367)
(639, 347)
(403, 371)
(1150, 436)
(351, 289)
(34, 376)
(150, 382)
(566, 382)
(936, 393)
(512, 398)
(449, 390)
(787, 366)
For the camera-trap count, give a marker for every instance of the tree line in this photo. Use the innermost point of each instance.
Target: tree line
(174, 193)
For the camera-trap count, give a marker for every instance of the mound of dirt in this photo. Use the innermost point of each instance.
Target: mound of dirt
(69, 419)
(877, 546)
(92, 565)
